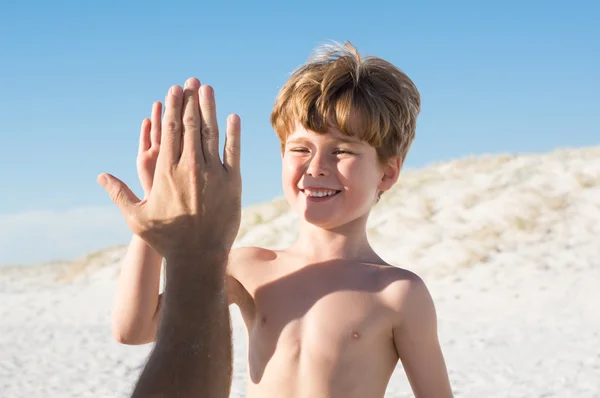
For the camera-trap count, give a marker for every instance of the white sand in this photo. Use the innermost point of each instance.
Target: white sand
(509, 247)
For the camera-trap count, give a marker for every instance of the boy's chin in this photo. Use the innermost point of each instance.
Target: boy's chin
(329, 220)
(323, 221)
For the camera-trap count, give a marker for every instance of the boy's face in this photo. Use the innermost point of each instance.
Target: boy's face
(344, 168)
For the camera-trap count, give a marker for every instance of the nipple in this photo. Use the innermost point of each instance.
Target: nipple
(355, 335)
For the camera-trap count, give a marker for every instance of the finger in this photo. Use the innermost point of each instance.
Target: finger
(210, 129)
(170, 137)
(121, 195)
(155, 131)
(192, 145)
(144, 136)
(232, 150)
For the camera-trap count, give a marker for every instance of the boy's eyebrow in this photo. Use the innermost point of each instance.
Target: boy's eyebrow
(301, 140)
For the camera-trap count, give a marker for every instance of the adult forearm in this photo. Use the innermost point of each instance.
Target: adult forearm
(195, 326)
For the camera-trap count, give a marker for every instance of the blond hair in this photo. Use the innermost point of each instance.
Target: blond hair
(365, 97)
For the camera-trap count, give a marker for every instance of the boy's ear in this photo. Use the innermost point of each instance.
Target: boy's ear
(391, 173)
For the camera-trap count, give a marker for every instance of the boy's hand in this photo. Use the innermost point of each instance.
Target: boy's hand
(149, 148)
(195, 200)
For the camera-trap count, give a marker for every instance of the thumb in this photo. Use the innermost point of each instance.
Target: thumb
(119, 192)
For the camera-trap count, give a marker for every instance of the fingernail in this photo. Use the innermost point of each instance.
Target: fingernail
(192, 82)
(206, 92)
(176, 91)
(102, 180)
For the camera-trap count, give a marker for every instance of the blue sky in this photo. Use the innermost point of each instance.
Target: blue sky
(77, 78)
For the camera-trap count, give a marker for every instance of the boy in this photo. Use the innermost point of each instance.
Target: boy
(326, 317)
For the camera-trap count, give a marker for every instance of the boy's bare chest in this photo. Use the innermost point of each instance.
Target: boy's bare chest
(328, 318)
(324, 320)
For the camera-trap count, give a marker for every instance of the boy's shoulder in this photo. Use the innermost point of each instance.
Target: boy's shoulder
(241, 269)
(404, 291)
(244, 258)
(395, 277)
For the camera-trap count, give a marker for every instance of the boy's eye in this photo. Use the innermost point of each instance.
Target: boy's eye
(335, 152)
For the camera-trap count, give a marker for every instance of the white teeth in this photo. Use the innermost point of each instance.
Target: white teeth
(320, 194)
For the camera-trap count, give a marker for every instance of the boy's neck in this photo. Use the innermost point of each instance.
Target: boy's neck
(348, 242)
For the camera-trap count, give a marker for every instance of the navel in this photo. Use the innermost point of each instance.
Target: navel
(263, 320)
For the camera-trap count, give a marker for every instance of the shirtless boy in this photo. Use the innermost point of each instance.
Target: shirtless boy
(326, 317)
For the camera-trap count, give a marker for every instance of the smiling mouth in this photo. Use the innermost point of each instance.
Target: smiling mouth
(320, 194)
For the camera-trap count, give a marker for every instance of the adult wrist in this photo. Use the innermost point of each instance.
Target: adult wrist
(196, 275)
(195, 257)
(198, 264)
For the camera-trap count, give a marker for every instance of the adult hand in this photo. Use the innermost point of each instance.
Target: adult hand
(195, 197)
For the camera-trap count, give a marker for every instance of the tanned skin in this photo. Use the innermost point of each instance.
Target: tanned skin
(190, 217)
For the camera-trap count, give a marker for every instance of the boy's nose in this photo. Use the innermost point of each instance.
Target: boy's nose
(317, 167)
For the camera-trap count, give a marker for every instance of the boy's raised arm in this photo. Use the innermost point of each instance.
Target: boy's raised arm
(137, 302)
(417, 344)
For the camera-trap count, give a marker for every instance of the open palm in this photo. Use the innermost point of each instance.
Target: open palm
(149, 147)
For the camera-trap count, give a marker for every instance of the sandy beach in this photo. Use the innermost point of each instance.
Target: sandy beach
(509, 247)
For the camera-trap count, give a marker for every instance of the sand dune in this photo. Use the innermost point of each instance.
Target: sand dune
(508, 245)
